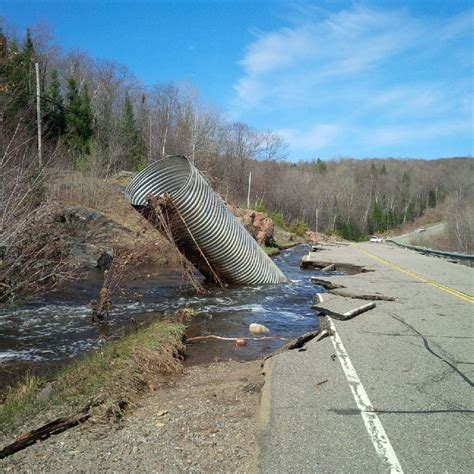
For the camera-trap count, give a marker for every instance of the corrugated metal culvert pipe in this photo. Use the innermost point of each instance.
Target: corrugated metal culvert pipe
(208, 234)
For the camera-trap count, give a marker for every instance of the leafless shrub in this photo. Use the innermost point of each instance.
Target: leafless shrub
(460, 220)
(35, 256)
(33, 251)
(82, 188)
(114, 286)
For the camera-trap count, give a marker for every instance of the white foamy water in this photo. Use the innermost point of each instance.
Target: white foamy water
(58, 326)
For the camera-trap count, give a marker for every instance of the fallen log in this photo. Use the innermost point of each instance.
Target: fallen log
(213, 336)
(356, 311)
(329, 268)
(299, 342)
(326, 284)
(368, 297)
(344, 316)
(52, 428)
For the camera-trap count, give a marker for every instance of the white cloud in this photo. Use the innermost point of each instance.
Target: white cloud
(360, 76)
(343, 44)
(318, 136)
(276, 50)
(394, 135)
(458, 25)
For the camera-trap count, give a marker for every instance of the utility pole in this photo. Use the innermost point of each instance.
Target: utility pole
(194, 139)
(38, 116)
(248, 193)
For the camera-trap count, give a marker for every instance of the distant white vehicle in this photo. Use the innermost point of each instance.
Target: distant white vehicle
(376, 239)
(421, 229)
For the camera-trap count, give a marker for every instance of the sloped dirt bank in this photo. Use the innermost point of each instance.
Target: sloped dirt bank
(204, 421)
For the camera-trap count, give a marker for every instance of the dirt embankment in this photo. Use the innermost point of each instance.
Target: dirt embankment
(109, 224)
(95, 230)
(204, 421)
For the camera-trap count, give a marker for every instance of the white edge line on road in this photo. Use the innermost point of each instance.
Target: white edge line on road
(372, 422)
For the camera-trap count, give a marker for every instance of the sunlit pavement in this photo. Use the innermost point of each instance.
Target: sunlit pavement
(413, 358)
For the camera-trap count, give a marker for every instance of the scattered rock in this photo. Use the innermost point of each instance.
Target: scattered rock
(78, 216)
(256, 328)
(125, 175)
(88, 234)
(91, 256)
(104, 262)
(45, 392)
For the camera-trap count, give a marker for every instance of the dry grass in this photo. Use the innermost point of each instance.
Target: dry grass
(107, 195)
(114, 376)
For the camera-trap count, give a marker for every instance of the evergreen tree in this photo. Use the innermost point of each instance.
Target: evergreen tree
(410, 212)
(29, 67)
(104, 125)
(3, 45)
(79, 118)
(391, 219)
(17, 78)
(87, 115)
(376, 219)
(383, 170)
(4, 69)
(322, 168)
(130, 136)
(54, 117)
(406, 180)
(432, 198)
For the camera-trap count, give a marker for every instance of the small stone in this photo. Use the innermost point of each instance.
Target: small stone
(258, 328)
(240, 342)
(45, 392)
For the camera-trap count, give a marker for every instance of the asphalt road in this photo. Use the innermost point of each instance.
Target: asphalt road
(417, 236)
(400, 397)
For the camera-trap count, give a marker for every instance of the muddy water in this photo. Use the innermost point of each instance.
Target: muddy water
(50, 330)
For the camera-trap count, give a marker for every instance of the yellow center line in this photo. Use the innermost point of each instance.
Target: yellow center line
(436, 284)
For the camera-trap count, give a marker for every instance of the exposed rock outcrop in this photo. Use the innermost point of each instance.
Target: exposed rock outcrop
(89, 234)
(258, 224)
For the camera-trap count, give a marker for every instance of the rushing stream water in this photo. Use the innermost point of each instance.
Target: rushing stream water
(56, 327)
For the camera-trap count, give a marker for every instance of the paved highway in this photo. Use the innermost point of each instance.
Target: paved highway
(418, 237)
(391, 390)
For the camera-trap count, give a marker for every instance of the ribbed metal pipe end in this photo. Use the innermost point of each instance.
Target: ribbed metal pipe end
(208, 231)
(167, 175)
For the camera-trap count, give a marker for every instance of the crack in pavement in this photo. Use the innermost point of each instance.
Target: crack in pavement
(430, 350)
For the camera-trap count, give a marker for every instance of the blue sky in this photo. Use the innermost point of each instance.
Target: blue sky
(334, 78)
